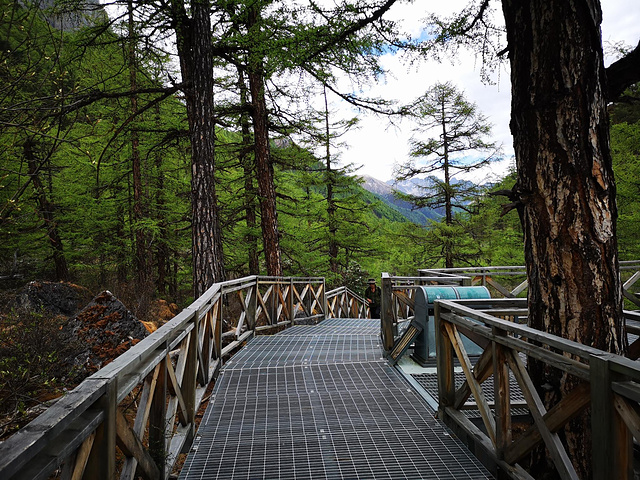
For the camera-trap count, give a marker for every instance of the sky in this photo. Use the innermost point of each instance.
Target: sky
(377, 146)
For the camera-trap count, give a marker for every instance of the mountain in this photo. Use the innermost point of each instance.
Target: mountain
(384, 192)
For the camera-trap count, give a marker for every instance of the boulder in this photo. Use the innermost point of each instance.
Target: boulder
(57, 298)
(107, 328)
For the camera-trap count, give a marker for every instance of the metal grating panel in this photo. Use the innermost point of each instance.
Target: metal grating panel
(283, 350)
(292, 407)
(322, 329)
(357, 322)
(429, 381)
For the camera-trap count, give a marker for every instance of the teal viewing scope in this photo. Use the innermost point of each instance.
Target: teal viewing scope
(425, 297)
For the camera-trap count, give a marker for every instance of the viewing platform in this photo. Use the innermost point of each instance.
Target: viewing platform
(295, 383)
(321, 402)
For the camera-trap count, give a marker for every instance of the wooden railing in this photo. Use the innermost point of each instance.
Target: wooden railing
(138, 413)
(344, 303)
(510, 281)
(398, 299)
(503, 282)
(607, 383)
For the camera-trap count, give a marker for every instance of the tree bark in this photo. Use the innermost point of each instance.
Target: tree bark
(248, 166)
(566, 186)
(45, 209)
(264, 165)
(142, 261)
(331, 203)
(193, 37)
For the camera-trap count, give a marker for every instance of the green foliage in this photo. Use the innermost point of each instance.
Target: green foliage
(625, 149)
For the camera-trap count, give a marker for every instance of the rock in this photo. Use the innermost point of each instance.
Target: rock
(57, 298)
(108, 329)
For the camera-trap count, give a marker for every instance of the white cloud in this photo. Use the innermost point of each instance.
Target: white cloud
(377, 146)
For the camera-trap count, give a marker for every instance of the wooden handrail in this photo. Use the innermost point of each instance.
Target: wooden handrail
(169, 372)
(610, 384)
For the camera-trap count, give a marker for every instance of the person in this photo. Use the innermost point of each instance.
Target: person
(372, 296)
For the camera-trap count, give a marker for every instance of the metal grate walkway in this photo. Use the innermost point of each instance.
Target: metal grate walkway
(319, 402)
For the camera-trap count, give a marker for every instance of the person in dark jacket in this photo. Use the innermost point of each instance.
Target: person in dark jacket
(372, 296)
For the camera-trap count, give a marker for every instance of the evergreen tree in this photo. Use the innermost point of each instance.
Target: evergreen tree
(462, 132)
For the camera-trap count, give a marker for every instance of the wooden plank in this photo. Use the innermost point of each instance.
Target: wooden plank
(62, 449)
(462, 311)
(157, 419)
(444, 361)
(24, 445)
(179, 440)
(634, 278)
(536, 408)
(272, 327)
(504, 291)
(101, 464)
(555, 419)
(193, 370)
(629, 415)
(481, 441)
(82, 457)
(611, 453)
(205, 346)
(250, 307)
(263, 307)
(571, 366)
(243, 314)
(174, 388)
(502, 396)
(481, 371)
(233, 345)
(632, 298)
(131, 446)
(130, 465)
(404, 298)
(628, 389)
(520, 288)
(476, 389)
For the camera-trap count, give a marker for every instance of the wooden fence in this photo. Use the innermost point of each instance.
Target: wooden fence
(503, 282)
(138, 413)
(344, 303)
(607, 383)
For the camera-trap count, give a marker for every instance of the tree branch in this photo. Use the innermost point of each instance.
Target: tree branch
(622, 74)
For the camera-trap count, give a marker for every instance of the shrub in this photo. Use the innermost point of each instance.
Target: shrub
(34, 363)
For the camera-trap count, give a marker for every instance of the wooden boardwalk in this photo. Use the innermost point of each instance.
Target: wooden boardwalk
(320, 402)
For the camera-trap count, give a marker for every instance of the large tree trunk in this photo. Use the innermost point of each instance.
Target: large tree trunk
(142, 260)
(45, 210)
(193, 37)
(566, 186)
(248, 166)
(331, 203)
(264, 166)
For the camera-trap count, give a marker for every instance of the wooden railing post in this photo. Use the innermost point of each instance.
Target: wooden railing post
(444, 363)
(324, 299)
(386, 313)
(157, 420)
(252, 303)
(611, 441)
(101, 464)
(290, 298)
(190, 381)
(502, 395)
